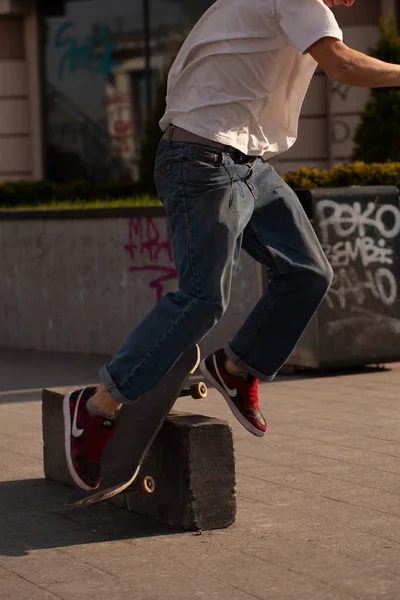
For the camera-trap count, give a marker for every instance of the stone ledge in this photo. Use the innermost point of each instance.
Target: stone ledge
(191, 462)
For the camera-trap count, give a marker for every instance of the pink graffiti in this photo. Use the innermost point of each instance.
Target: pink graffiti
(145, 240)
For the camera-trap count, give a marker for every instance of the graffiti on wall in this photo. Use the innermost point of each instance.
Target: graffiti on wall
(121, 126)
(357, 239)
(92, 54)
(149, 249)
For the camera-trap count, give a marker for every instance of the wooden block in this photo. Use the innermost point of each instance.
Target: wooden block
(191, 463)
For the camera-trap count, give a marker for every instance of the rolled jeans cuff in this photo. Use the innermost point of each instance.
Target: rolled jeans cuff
(112, 389)
(240, 363)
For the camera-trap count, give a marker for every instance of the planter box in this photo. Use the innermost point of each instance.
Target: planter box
(358, 323)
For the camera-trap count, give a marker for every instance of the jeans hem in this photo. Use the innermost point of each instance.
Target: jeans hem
(112, 389)
(241, 363)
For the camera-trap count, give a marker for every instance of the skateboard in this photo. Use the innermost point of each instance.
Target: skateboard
(137, 428)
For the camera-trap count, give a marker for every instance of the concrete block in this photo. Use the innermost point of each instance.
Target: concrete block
(54, 460)
(191, 463)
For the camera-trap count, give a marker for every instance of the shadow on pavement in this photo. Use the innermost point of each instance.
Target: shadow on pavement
(33, 517)
(296, 373)
(24, 373)
(28, 371)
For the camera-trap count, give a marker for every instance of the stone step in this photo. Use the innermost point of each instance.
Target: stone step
(190, 465)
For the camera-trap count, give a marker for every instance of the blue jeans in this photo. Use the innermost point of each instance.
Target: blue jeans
(217, 203)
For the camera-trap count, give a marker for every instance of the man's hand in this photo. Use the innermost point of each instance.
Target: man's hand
(345, 65)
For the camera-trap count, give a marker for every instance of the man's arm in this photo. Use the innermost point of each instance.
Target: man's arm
(345, 65)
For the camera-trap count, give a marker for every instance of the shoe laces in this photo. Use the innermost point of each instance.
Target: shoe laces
(252, 392)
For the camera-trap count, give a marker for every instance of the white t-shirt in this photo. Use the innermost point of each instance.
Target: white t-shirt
(241, 76)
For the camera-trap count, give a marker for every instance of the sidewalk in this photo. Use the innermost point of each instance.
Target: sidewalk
(318, 500)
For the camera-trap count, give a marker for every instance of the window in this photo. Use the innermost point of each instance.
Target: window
(104, 61)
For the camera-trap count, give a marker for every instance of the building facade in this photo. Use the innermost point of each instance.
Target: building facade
(80, 78)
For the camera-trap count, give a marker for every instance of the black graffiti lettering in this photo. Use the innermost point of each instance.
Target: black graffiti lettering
(341, 132)
(341, 89)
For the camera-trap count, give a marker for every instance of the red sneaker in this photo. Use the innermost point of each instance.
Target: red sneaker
(241, 394)
(86, 438)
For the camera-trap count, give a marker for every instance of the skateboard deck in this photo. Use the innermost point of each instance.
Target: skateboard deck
(137, 427)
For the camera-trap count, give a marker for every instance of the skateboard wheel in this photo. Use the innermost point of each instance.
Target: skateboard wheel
(198, 390)
(149, 484)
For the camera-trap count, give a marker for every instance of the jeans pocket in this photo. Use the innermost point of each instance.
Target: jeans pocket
(203, 170)
(199, 158)
(162, 180)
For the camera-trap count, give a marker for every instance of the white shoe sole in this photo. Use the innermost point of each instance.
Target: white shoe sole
(235, 411)
(67, 437)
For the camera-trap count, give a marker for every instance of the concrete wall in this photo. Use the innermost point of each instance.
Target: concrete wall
(82, 285)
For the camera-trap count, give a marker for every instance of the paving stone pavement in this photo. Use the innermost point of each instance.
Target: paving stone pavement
(318, 500)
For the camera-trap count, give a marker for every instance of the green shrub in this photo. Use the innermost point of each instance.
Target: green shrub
(14, 194)
(17, 194)
(356, 173)
(377, 136)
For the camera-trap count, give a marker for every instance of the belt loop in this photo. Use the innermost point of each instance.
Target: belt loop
(171, 132)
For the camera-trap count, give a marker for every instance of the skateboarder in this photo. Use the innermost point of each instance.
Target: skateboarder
(234, 96)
